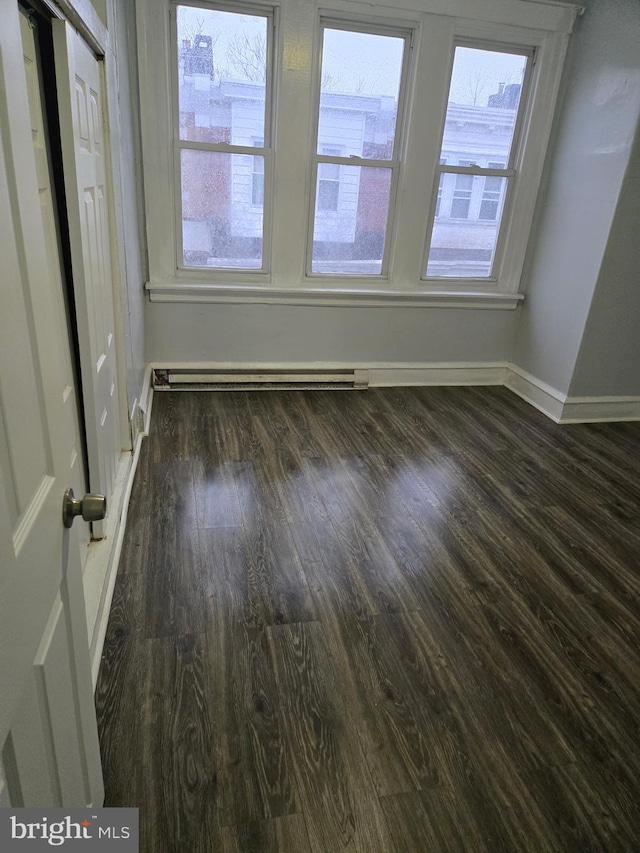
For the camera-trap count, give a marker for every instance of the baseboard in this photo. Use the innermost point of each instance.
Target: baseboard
(491, 373)
(102, 561)
(584, 410)
(101, 567)
(537, 393)
(570, 410)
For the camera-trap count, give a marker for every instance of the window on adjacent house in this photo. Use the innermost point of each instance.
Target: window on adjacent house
(462, 193)
(224, 88)
(329, 180)
(257, 176)
(492, 195)
(443, 160)
(357, 149)
(481, 124)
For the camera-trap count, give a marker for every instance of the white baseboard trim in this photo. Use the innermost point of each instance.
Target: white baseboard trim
(101, 567)
(101, 564)
(570, 410)
(438, 374)
(543, 397)
(584, 410)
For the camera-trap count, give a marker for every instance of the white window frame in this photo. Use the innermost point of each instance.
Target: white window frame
(393, 164)
(290, 180)
(266, 150)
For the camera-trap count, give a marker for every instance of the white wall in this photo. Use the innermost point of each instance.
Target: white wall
(587, 163)
(178, 332)
(609, 359)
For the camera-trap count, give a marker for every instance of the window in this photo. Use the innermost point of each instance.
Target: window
(223, 105)
(482, 119)
(393, 153)
(357, 145)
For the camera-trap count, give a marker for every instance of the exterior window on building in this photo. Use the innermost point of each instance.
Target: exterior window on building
(462, 193)
(257, 176)
(224, 86)
(481, 126)
(443, 160)
(491, 194)
(358, 140)
(329, 180)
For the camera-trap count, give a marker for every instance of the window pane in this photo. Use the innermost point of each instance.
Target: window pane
(221, 209)
(222, 71)
(465, 249)
(483, 104)
(348, 238)
(359, 92)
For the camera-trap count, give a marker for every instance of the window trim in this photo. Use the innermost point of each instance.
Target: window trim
(547, 27)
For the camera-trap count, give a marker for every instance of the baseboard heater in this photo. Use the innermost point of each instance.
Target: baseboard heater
(180, 379)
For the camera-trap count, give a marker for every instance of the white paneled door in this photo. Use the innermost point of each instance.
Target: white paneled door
(49, 752)
(80, 103)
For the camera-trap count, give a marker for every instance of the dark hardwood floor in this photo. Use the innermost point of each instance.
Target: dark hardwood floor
(397, 620)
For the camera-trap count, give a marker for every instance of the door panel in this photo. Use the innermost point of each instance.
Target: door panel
(80, 88)
(43, 637)
(39, 136)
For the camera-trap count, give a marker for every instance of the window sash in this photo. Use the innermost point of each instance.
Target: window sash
(392, 164)
(265, 149)
(508, 171)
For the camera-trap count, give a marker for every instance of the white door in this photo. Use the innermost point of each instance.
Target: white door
(44, 177)
(49, 752)
(80, 105)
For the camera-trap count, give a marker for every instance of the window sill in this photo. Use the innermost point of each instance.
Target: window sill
(166, 292)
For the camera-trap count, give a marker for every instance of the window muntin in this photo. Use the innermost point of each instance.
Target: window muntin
(224, 83)
(481, 134)
(357, 143)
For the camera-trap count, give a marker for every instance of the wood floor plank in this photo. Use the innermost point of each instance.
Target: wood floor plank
(286, 834)
(174, 583)
(340, 806)
(255, 775)
(397, 739)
